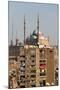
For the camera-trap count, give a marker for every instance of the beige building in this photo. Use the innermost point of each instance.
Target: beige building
(33, 66)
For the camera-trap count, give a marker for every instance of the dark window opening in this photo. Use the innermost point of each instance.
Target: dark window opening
(33, 85)
(33, 71)
(41, 50)
(33, 60)
(22, 56)
(32, 65)
(18, 83)
(16, 59)
(42, 74)
(22, 76)
(42, 60)
(33, 76)
(42, 83)
(22, 86)
(32, 55)
(22, 81)
(51, 51)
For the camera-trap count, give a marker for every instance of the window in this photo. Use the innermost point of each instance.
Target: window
(22, 81)
(22, 76)
(42, 61)
(42, 74)
(22, 56)
(33, 76)
(33, 85)
(32, 66)
(33, 52)
(33, 71)
(42, 53)
(42, 83)
(22, 86)
(32, 55)
(32, 60)
(22, 68)
(51, 50)
(16, 59)
(22, 63)
(22, 71)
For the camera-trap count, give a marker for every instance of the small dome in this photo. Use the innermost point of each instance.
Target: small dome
(41, 37)
(34, 32)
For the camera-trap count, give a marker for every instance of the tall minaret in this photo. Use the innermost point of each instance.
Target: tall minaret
(24, 29)
(16, 38)
(12, 36)
(38, 27)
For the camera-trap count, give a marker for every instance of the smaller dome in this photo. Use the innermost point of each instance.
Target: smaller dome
(41, 37)
(34, 32)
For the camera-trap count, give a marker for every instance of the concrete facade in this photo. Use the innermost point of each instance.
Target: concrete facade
(33, 66)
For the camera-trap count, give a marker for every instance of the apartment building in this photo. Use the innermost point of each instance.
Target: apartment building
(33, 66)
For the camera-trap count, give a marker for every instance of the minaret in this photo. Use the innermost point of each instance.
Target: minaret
(38, 27)
(16, 38)
(24, 29)
(12, 36)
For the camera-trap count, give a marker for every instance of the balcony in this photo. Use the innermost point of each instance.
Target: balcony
(23, 65)
(42, 74)
(33, 82)
(22, 85)
(22, 77)
(33, 55)
(33, 85)
(22, 58)
(22, 81)
(22, 53)
(43, 59)
(33, 71)
(33, 63)
(22, 68)
(33, 52)
(22, 73)
(42, 66)
(33, 76)
(42, 53)
(42, 62)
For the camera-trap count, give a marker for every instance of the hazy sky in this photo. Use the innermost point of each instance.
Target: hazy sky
(48, 18)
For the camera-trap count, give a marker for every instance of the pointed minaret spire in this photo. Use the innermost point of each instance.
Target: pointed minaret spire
(24, 29)
(38, 27)
(38, 23)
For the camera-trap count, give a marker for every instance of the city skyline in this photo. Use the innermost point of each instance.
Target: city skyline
(33, 45)
(48, 20)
